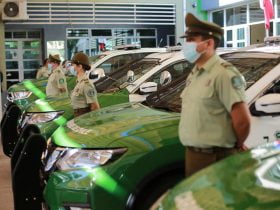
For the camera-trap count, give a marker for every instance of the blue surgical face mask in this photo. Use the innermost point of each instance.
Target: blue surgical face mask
(190, 53)
(72, 71)
(49, 67)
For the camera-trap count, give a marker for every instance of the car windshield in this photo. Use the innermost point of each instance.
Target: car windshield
(118, 79)
(95, 58)
(253, 65)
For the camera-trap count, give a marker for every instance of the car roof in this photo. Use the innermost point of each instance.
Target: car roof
(163, 55)
(128, 51)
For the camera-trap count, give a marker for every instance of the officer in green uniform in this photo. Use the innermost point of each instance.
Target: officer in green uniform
(57, 85)
(84, 95)
(215, 120)
(43, 72)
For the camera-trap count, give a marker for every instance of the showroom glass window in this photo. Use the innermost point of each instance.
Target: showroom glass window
(236, 16)
(94, 41)
(255, 12)
(218, 17)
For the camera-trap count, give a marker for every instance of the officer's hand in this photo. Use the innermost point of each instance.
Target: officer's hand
(62, 90)
(241, 148)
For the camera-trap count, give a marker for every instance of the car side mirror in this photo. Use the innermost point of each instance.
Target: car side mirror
(165, 78)
(96, 74)
(130, 76)
(148, 87)
(267, 105)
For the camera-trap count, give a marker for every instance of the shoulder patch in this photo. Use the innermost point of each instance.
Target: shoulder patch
(91, 92)
(238, 82)
(226, 64)
(61, 81)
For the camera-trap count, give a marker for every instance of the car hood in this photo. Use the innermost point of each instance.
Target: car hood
(64, 102)
(246, 180)
(113, 126)
(49, 104)
(40, 84)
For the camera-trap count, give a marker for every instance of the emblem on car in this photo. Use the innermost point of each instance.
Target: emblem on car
(277, 135)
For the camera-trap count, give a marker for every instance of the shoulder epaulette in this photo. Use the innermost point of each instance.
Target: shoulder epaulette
(226, 64)
(85, 80)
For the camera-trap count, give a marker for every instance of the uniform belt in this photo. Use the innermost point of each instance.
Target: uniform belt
(86, 109)
(209, 150)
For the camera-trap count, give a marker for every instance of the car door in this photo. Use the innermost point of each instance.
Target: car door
(176, 69)
(265, 127)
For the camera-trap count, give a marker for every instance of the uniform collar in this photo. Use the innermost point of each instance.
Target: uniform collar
(83, 77)
(207, 66)
(56, 69)
(210, 63)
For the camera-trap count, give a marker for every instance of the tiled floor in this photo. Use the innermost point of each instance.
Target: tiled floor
(6, 197)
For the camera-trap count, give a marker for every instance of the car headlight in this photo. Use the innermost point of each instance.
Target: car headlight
(40, 117)
(12, 96)
(80, 158)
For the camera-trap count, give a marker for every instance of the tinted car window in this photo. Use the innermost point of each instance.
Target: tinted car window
(114, 63)
(253, 67)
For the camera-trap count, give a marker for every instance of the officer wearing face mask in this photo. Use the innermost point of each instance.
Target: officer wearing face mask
(57, 85)
(84, 95)
(43, 72)
(215, 120)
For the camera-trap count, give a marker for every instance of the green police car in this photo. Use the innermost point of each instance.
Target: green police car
(248, 180)
(109, 61)
(100, 163)
(124, 156)
(21, 95)
(136, 79)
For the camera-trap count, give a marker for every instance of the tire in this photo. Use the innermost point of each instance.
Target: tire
(154, 189)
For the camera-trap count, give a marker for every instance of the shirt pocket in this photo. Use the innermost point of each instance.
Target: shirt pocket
(206, 96)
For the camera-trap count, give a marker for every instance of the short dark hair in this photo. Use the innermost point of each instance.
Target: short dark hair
(85, 67)
(45, 61)
(64, 62)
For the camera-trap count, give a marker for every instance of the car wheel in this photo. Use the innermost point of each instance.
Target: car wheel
(154, 189)
(9, 132)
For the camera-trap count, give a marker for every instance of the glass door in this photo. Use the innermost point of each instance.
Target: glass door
(12, 63)
(236, 36)
(23, 53)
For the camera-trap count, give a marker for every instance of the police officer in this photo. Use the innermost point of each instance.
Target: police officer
(43, 71)
(84, 95)
(57, 85)
(215, 120)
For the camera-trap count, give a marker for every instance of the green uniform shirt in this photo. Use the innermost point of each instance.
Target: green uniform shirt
(207, 103)
(56, 81)
(42, 73)
(83, 94)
